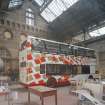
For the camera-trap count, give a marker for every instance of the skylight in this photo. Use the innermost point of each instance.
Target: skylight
(39, 2)
(98, 32)
(15, 3)
(56, 8)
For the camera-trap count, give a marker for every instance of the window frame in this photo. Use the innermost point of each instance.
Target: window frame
(30, 17)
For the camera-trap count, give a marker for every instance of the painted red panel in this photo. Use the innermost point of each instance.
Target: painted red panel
(37, 61)
(42, 82)
(28, 44)
(29, 56)
(37, 76)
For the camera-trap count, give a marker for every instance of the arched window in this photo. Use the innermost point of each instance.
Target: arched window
(5, 61)
(29, 17)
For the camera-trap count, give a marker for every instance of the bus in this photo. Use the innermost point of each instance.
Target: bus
(41, 57)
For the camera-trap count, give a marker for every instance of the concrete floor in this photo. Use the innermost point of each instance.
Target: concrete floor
(19, 96)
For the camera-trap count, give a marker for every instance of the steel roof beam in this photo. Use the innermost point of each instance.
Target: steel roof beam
(45, 4)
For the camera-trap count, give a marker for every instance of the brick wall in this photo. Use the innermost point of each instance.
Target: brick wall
(16, 23)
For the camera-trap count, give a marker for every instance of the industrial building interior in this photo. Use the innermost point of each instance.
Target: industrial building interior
(52, 48)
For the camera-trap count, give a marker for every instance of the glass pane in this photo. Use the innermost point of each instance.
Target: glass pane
(29, 17)
(69, 3)
(27, 21)
(56, 8)
(30, 21)
(48, 15)
(29, 9)
(14, 3)
(98, 32)
(40, 2)
(27, 14)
